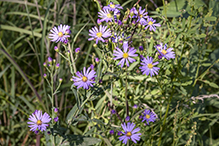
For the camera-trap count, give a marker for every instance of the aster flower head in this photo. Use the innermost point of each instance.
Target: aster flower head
(97, 35)
(105, 15)
(133, 11)
(148, 66)
(167, 53)
(38, 121)
(149, 116)
(84, 79)
(125, 55)
(151, 24)
(142, 15)
(130, 133)
(60, 33)
(112, 7)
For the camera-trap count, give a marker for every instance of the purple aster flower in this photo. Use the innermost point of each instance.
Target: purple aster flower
(112, 7)
(111, 132)
(148, 66)
(96, 34)
(130, 133)
(149, 116)
(84, 80)
(59, 34)
(142, 15)
(167, 53)
(38, 121)
(105, 15)
(56, 110)
(151, 24)
(133, 11)
(113, 111)
(126, 55)
(56, 119)
(127, 118)
(77, 50)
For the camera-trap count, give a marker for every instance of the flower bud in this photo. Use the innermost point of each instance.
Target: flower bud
(57, 65)
(77, 50)
(44, 75)
(56, 119)
(127, 118)
(60, 80)
(111, 132)
(44, 64)
(49, 59)
(94, 45)
(56, 49)
(56, 110)
(97, 60)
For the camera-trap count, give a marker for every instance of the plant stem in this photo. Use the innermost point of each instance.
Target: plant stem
(126, 100)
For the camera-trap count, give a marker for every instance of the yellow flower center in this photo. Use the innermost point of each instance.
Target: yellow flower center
(128, 134)
(60, 34)
(150, 23)
(147, 116)
(150, 66)
(99, 34)
(125, 55)
(109, 15)
(140, 15)
(164, 52)
(112, 5)
(39, 122)
(84, 79)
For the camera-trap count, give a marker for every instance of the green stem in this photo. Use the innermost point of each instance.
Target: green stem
(126, 100)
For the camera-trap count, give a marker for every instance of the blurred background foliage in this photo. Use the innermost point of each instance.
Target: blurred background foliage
(190, 26)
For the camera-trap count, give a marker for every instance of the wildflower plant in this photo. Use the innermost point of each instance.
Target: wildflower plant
(118, 90)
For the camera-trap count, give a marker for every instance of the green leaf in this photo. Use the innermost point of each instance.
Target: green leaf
(71, 114)
(210, 83)
(211, 18)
